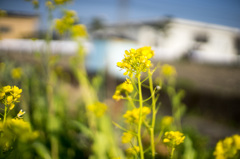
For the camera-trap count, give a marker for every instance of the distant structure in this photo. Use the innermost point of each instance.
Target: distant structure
(16, 25)
(174, 39)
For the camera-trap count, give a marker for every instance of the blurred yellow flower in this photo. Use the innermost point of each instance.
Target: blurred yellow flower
(124, 88)
(168, 70)
(132, 116)
(136, 61)
(49, 5)
(127, 137)
(79, 30)
(227, 148)
(16, 73)
(166, 121)
(132, 151)
(60, 2)
(98, 108)
(173, 138)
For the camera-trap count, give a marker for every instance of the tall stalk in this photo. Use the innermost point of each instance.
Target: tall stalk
(153, 114)
(140, 118)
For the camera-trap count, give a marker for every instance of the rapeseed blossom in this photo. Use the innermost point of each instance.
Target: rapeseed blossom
(136, 61)
(132, 116)
(10, 95)
(166, 121)
(132, 151)
(79, 30)
(60, 2)
(66, 22)
(16, 73)
(168, 70)
(127, 137)
(173, 138)
(98, 108)
(124, 88)
(227, 148)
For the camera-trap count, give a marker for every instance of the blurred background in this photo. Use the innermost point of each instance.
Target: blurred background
(200, 38)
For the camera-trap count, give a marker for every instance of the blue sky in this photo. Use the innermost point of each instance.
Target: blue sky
(222, 12)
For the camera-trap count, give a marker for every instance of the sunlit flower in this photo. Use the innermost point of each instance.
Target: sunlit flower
(127, 137)
(79, 30)
(124, 88)
(98, 108)
(136, 61)
(227, 148)
(132, 151)
(168, 70)
(60, 2)
(173, 138)
(10, 95)
(132, 116)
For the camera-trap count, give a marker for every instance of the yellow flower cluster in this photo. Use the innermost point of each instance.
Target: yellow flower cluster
(227, 148)
(67, 23)
(136, 61)
(125, 87)
(15, 129)
(49, 5)
(60, 2)
(168, 70)
(16, 73)
(98, 108)
(132, 116)
(132, 151)
(173, 138)
(166, 121)
(10, 95)
(127, 137)
(79, 30)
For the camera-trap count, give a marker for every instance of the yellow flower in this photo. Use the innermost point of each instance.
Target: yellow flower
(166, 121)
(79, 30)
(132, 151)
(127, 137)
(16, 73)
(98, 108)
(9, 100)
(125, 87)
(60, 2)
(228, 147)
(173, 138)
(237, 141)
(66, 22)
(7, 89)
(16, 92)
(168, 70)
(136, 61)
(10, 95)
(132, 116)
(49, 5)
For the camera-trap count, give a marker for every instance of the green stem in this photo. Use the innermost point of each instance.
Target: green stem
(5, 115)
(153, 114)
(172, 152)
(140, 119)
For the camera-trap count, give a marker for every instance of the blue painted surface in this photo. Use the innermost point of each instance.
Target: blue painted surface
(95, 60)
